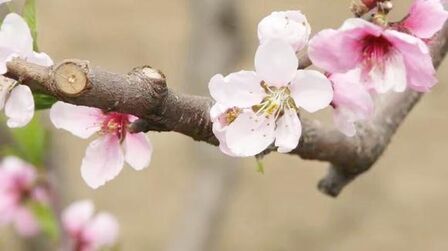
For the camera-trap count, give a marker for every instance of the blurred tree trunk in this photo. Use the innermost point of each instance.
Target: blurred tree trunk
(215, 47)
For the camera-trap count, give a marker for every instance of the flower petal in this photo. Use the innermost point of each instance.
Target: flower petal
(81, 121)
(138, 150)
(390, 77)
(26, 223)
(40, 59)
(419, 68)
(289, 26)
(103, 161)
(18, 171)
(288, 131)
(15, 35)
(241, 89)
(418, 21)
(311, 90)
(8, 205)
(350, 94)
(19, 107)
(338, 51)
(250, 134)
(276, 62)
(102, 231)
(77, 216)
(5, 87)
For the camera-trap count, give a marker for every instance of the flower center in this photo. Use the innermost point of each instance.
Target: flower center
(276, 101)
(115, 123)
(375, 51)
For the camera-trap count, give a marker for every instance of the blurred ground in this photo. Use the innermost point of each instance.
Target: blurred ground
(399, 205)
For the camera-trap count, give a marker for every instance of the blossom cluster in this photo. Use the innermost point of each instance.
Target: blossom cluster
(362, 59)
(21, 190)
(259, 109)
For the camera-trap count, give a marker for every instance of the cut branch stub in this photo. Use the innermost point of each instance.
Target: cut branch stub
(70, 78)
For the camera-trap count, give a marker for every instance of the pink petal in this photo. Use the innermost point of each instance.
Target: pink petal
(426, 18)
(25, 223)
(390, 77)
(77, 216)
(241, 89)
(250, 134)
(18, 171)
(352, 101)
(9, 204)
(4, 1)
(341, 50)
(288, 131)
(276, 62)
(289, 26)
(351, 94)
(419, 68)
(81, 121)
(19, 107)
(138, 150)
(102, 231)
(103, 161)
(311, 90)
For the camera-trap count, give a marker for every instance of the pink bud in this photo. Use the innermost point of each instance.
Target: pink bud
(370, 3)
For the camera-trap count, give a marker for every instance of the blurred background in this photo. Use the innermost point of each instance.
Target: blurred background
(194, 198)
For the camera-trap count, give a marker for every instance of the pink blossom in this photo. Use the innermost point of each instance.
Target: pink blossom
(425, 18)
(4, 1)
(16, 41)
(17, 188)
(388, 59)
(255, 109)
(86, 231)
(289, 26)
(104, 157)
(352, 102)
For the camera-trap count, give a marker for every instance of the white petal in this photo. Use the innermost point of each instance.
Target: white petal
(77, 215)
(311, 90)
(276, 62)
(392, 77)
(5, 87)
(102, 231)
(288, 131)
(103, 161)
(15, 35)
(250, 134)
(81, 121)
(4, 1)
(6, 54)
(40, 59)
(138, 150)
(241, 89)
(19, 107)
(289, 26)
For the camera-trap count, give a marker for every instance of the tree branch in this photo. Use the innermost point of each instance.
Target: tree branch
(143, 92)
